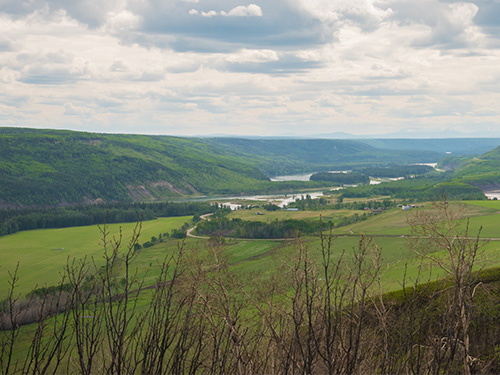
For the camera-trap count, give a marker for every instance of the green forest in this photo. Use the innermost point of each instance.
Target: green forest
(20, 219)
(341, 178)
(43, 167)
(46, 168)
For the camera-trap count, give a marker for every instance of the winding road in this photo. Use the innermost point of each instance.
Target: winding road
(189, 232)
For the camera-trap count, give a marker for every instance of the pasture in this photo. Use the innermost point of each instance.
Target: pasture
(42, 254)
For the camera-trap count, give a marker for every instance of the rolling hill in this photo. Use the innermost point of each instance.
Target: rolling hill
(49, 167)
(482, 171)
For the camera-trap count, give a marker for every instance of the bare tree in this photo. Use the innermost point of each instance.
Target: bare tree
(86, 314)
(442, 235)
(119, 287)
(9, 325)
(49, 343)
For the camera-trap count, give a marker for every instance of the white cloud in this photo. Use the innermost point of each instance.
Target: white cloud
(363, 12)
(210, 13)
(6, 44)
(122, 21)
(251, 10)
(119, 66)
(297, 66)
(246, 55)
(72, 110)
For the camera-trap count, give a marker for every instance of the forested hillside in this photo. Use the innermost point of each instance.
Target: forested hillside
(482, 171)
(48, 167)
(288, 156)
(53, 167)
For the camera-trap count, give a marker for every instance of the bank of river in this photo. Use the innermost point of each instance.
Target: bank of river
(295, 177)
(300, 177)
(306, 177)
(281, 200)
(492, 194)
(235, 202)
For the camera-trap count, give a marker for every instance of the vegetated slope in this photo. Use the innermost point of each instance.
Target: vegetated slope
(429, 187)
(482, 171)
(53, 167)
(47, 167)
(465, 178)
(286, 156)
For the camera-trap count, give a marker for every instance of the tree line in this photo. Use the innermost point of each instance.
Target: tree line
(221, 225)
(14, 220)
(423, 188)
(362, 175)
(396, 171)
(340, 178)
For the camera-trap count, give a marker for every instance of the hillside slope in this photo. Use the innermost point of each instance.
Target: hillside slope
(482, 171)
(52, 167)
(47, 167)
(287, 156)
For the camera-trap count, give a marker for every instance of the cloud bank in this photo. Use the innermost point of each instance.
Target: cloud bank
(302, 67)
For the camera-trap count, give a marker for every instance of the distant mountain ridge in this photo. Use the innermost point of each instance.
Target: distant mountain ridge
(453, 146)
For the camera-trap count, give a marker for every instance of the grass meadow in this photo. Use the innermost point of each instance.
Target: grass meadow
(256, 214)
(256, 264)
(42, 254)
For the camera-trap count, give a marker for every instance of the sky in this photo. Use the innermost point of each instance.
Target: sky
(416, 68)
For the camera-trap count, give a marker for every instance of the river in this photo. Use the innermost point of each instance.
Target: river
(492, 194)
(282, 200)
(306, 177)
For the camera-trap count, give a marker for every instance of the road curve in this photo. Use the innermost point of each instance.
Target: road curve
(189, 232)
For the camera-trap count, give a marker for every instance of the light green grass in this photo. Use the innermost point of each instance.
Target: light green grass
(41, 265)
(42, 254)
(248, 250)
(397, 257)
(495, 205)
(255, 262)
(326, 215)
(395, 221)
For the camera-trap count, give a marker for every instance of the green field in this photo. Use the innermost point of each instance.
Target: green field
(42, 254)
(258, 267)
(257, 214)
